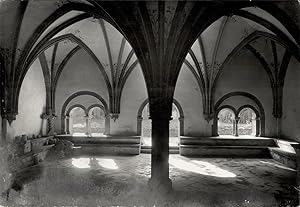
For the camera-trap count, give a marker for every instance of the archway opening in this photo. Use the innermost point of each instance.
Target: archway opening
(174, 127)
(226, 122)
(146, 126)
(78, 122)
(247, 122)
(96, 121)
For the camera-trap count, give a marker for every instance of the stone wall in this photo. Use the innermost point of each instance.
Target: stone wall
(80, 74)
(32, 103)
(188, 94)
(291, 101)
(244, 73)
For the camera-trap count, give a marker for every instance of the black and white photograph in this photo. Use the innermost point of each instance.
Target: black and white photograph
(150, 103)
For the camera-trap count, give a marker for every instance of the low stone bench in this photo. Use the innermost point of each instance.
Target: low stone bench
(108, 145)
(226, 147)
(284, 153)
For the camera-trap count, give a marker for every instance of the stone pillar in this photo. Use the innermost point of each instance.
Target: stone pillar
(87, 122)
(50, 119)
(159, 180)
(67, 126)
(107, 124)
(181, 126)
(297, 184)
(253, 126)
(278, 127)
(258, 127)
(215, 128)
(236, 121)
(139, 126)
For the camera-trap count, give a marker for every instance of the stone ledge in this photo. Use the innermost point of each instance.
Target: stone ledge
(102, 140)
(286, 158)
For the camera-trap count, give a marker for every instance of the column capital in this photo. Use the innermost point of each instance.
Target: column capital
(9, 116)
(114, 116)
(208, 116)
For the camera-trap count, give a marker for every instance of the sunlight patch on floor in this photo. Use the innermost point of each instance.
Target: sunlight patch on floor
(276, 165)
(200, 167)
(107, 163)
(94, 163)
(81, 162)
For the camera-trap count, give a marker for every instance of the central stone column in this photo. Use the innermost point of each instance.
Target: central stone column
(160, 155)
(160, 114)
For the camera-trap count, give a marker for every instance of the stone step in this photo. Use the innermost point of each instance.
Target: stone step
(147, 149)
(225, 151)
(203, 141)
(106, 149)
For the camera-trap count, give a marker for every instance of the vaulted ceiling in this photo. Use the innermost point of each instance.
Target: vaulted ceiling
(267, 39)
(159, 32)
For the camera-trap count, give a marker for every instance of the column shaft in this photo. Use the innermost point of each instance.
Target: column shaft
(160, 155)
(67, 131)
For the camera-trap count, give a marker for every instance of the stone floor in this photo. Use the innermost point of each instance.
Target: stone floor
(122, 180)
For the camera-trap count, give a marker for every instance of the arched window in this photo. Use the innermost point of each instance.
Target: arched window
(78, 122)
(247, 122)
(96, 121)
(226, 122)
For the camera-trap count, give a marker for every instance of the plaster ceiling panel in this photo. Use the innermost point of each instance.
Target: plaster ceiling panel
(196, 48)
(280, 52)
(134, 58)
(114, 40)
(59, 21)
(265, 15)
(82, 1)
(63, 49)
(256, 26)
(264, 47)
(229, 39)
(48, 54)
(8, 19)
(190, 60)
(127, 49)
(91, 34)
(209, 37)
(197, 51)
(36, 12)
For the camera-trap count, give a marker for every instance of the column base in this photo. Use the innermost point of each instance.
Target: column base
(160, 185)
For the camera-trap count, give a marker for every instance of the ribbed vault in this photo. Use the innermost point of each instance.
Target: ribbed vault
(270, 42)
(163, 34)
